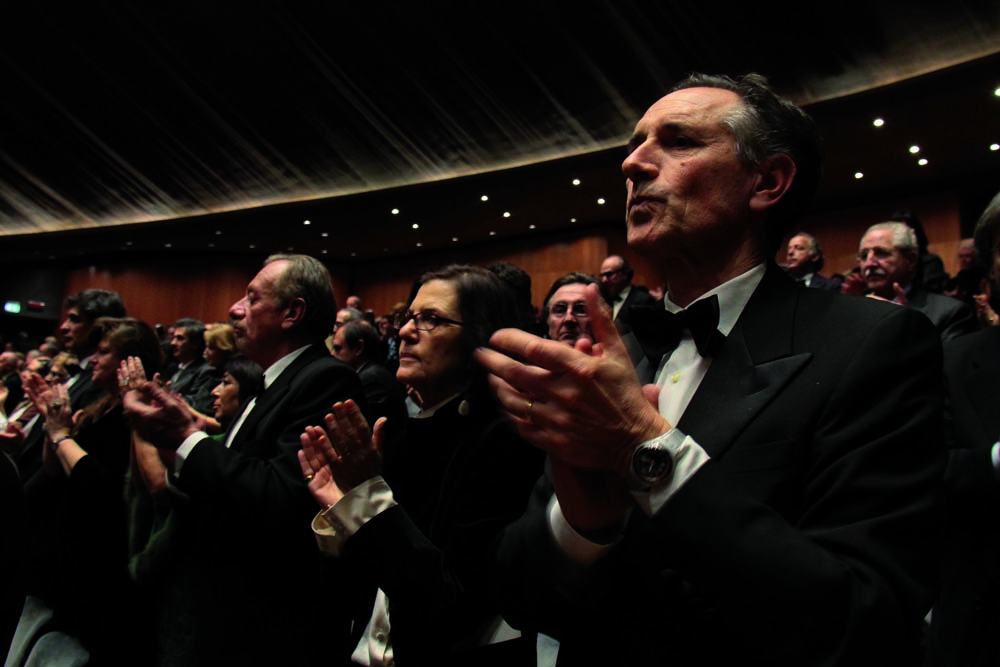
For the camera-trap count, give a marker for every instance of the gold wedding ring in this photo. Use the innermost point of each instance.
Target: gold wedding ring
(310, 477)
(527, 415)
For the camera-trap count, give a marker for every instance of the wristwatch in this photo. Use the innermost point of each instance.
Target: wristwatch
(653, 460)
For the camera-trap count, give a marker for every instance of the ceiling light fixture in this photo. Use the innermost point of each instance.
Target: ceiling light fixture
(506, 214)
(995, 147)
(484, 198)
(576, 181)
(600, 201)
(858, 174)
(416, 226)
(395, 211)
(878, 122)
(922, 161)
(914, 149)
(306, 222)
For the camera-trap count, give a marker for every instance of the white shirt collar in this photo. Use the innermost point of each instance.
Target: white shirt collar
(733, 296)
(275, 369)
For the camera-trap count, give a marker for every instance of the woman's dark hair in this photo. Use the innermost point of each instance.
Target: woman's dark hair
(128, 337)
(247, 374)
(486, 304)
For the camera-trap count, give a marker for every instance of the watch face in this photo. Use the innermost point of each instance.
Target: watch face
(652, 464)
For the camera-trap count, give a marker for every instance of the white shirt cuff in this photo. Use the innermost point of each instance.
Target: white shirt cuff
(688, 456)
(339, 521)
(571, 543)
(995, 455)
(185, 449)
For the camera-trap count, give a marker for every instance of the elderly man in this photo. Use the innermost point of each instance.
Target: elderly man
(566, 309)
(195, 378)
(616, 276)
(888, 259)
(805, 261)
(258, 596)
(773, 497)
(968, 610)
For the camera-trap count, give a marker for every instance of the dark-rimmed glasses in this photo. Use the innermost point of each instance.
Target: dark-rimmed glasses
(424, 320)
(560, 308)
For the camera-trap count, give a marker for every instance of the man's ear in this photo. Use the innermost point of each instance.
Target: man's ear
(295, 313)
(774, 178)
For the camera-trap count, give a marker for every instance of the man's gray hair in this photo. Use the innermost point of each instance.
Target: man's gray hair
(306, 278)
(904, 239)
(988, 233)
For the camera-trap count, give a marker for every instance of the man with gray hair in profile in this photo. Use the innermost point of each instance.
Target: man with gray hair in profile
(805, 261)
(888, 259)
(259, 567)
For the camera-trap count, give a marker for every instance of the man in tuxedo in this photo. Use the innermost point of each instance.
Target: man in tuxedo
(805, 261)
(259, 568)
(967, 611)
(771, 498)
(616, 277)
(195, 378)
(888, 258)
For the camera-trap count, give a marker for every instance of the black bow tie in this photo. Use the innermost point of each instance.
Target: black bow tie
(659, 331)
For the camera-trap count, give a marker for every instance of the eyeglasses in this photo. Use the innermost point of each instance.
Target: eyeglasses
(424, 320)
(578, 310)
(608, 274)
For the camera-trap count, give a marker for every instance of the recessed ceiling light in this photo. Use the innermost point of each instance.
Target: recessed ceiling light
(858, 174)
(325, 234)
(572, 219)
(218, 232)
(531, 226)
(995, 147)
(506, 214)
(385, 250)
(878, 122)
(485, 198)
(211, 245)
(395, 211)
(997, 92)
(306, 222)
(454, 238)
(493, 233)
(168, 245)
(416, 226)
(600, 201)
(914, 149)
(419, 244)
(128, 243)
(252, 246)
(353, 254)
(922, 161)
(323, 251)
(576, 181)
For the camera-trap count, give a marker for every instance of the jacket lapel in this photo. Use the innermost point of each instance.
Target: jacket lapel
(751, 368)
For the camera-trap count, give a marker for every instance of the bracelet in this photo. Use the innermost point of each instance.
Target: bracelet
(58, 441)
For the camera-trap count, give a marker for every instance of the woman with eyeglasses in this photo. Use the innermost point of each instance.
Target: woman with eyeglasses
(414, 518)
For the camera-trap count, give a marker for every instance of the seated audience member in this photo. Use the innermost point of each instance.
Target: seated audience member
(82, 310)
(930, 274)
(21, 425)
(11, 364)
(354, 302)
(968, 282)
(417, 529)
(194, 378)
(616, 277)
(78, 527)
(252, 606)
(13, 534)
(357, 344)
(518, 280)
(566, 310)
(888, 256)
(967, 612)
(163, 558)
(763, 488)
(805, 261)
(220, 345)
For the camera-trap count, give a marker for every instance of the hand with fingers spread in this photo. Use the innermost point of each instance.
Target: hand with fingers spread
(158, 416)
(582, 405)
(345, 454)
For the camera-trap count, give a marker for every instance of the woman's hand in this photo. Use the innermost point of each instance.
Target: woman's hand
(58, 415)
(346, 454)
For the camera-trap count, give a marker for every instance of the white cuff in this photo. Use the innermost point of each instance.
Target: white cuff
(185, 449)
(339, 521)
(571, 543)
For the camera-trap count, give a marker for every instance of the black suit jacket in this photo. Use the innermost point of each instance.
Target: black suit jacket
(195, 384)
(261, 598)
(822, 282)
(967, 612)
(951, 317)
(809, 538)
(385, 398)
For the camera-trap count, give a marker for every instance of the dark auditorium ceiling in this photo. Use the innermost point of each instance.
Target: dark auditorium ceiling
(218, 126)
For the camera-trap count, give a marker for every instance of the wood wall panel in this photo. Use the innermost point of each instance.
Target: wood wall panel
(164, 290)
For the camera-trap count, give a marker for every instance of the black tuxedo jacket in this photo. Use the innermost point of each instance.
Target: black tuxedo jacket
(822, 282)
(809, 538)
(260, 599)
(967, 611)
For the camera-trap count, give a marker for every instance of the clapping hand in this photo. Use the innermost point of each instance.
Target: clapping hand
(345, 454)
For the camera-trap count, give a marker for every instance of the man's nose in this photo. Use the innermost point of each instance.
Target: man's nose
(237, 311)
(639, 166)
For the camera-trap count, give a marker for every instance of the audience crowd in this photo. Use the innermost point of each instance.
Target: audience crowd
(304, 485)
